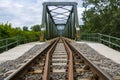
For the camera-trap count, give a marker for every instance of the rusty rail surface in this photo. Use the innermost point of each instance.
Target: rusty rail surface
(15, 74)
(70, 64)
(98, 73)
(47, 62)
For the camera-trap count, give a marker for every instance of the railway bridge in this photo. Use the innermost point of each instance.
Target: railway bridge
(60, 19)
(60, 57)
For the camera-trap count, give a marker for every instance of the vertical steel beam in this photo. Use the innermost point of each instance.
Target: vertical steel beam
(72, 25)
(42, 34)
(76, 22)
(51, 30)
(74, 29)
(46, 22)
(48, 26)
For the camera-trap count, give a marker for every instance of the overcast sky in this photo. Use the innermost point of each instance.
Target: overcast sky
(27, 12)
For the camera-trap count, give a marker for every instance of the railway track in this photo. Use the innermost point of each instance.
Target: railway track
(60, 61)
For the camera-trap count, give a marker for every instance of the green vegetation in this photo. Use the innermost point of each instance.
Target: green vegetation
(36, 28)
(102, 22)
(25, 28)
(14, 36)
(101, 16)
(7, 31)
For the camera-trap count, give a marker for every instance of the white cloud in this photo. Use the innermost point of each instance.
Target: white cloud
(25, 12)
(80, 11)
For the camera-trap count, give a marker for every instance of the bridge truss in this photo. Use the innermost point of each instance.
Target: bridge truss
(59, 19)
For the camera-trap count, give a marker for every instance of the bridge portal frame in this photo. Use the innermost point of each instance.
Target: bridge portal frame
(49, 24)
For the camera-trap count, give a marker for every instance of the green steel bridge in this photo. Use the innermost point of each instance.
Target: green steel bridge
(90, 60)
(59, 19)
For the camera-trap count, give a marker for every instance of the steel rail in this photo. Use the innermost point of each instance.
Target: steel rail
(23, 68)
(100, 73)
(70, 64)
(47, 62)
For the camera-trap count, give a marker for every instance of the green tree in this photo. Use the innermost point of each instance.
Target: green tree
(36, 28)
(25, 28)
(102, 16)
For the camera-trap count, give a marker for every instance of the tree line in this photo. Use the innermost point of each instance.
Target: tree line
(9, 35)
(101, 16)
(7, 31)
